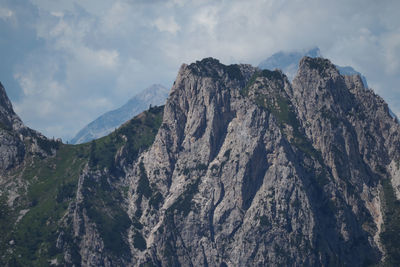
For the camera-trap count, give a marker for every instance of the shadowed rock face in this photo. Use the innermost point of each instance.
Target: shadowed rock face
(7, 114)
(255, 170)
(15, 138)
(245, 169)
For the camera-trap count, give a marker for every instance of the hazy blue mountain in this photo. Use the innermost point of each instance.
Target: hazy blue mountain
(288, 62)
(154, 95)
(347, 70)
(394, 116)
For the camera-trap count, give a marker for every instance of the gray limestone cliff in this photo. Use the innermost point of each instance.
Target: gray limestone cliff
(16, 140)
(241, 167)
(255, 171)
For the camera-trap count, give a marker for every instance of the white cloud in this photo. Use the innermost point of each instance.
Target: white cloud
(26, 83)
(101, 58)
(179, 3)
(116, 17)
(167, 24)
(205, 19)
(57, 14)
(97, 50)
(6, 13)
(391, 44)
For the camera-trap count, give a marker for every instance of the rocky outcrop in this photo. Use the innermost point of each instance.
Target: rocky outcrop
(12, 149)
(240, 168)
(252, 170)
(16, 139)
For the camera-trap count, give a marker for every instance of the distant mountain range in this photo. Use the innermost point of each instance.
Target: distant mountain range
(154, 95)
(288, 62)
(157, 94)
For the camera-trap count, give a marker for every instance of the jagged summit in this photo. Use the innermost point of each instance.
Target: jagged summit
(4, 101)
(8, 118)
(212, 67)
(16, 140)
(240, 168)
(210, 61)
(245, 141)
(318, 63)
(288, 62)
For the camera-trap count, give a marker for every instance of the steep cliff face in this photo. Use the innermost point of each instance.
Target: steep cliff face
(240, 168)
(253, 170)
(21, 149)
(16, 140)
(12, 148)
(18, 143)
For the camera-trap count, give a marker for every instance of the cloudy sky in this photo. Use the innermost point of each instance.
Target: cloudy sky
(63, 63)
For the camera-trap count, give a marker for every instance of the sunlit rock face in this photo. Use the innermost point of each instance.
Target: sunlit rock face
(241, 167)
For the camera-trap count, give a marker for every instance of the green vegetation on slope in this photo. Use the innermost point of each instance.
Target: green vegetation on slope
(280, 106)
(136, 135)
(391, 229)
(103, 199)
(52, 185)
(103, 205)
(272, 75)
(5, 224)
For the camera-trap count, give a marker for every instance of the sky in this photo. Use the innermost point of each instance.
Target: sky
(64, 63)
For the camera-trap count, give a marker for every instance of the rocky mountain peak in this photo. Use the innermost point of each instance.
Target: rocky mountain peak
(240, 168)
(8, 118)
(320, 86)
(4, 101)
(322, 66)
(12, 149)
(16, 139)
(288, 62)
(211, 67)
(234, 137)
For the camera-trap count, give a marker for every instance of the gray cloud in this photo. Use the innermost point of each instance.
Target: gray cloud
(81, 58)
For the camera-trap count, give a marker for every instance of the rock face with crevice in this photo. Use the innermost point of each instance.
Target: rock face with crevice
(254, 170)
(240, 168)
(17, 140)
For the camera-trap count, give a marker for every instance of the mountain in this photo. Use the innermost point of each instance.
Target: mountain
(347, 70)
(155, 95)
(241, 167)
(393, 115)
(288, 62)
(18, 142)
